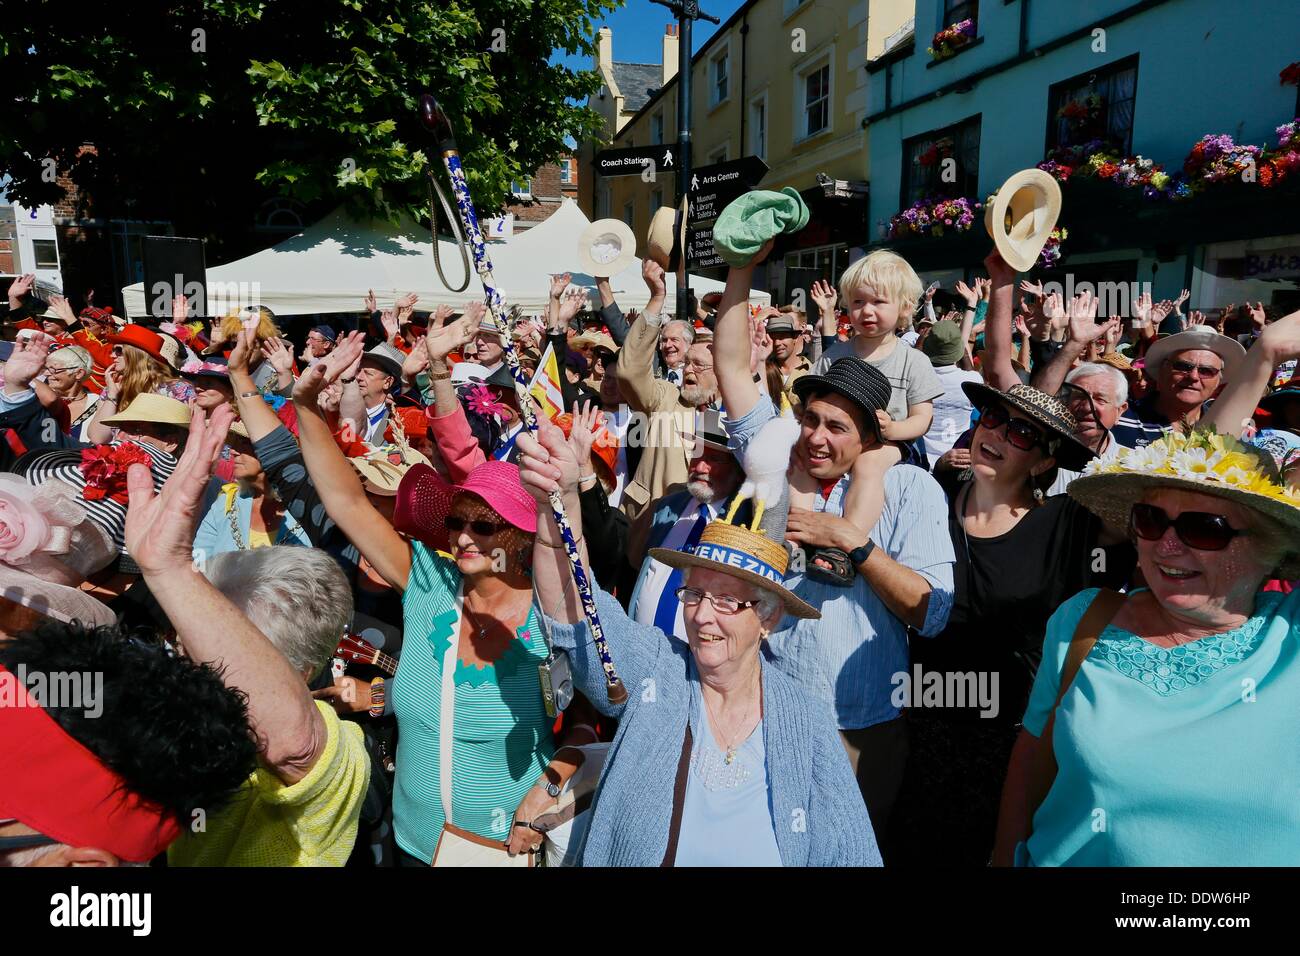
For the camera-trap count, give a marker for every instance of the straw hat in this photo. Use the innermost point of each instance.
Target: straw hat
(1200, 337)
(1203, 461)
(1022, 215)
(148, 407)
(1048, 410)
(743, 554)
(664, 244)
(383, 469)
(606, 247)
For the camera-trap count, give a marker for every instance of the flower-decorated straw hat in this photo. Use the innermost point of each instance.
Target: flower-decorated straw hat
(1202, 461)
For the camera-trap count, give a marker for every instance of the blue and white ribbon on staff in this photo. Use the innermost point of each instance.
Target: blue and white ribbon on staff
(437, 122)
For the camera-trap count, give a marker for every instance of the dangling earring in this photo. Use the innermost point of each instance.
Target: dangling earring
(1035, 490)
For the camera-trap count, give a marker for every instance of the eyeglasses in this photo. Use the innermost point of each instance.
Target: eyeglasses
(1019, 432)
(1186, 368)
(1196, 529)
(484, 529)
(697, 367)
(60, 369)
(724, 604)
(118, 350)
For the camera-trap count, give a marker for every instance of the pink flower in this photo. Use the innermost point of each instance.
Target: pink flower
(23, 529)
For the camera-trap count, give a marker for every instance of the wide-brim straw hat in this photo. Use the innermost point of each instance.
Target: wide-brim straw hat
(148, 407)
(1022, 215)
(1201, 338)
(383, 469)
(606, 248)
(1047, 410)
(665, 245)
(1204, 462)
(743, 554)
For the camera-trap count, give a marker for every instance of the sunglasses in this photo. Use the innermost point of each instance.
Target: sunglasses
(1020, 434)
(484, 529)
(722, 603)
(1199, 530)
(117, 350)
(1186, 368)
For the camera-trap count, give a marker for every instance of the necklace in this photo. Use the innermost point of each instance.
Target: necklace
(481, 629)
(730, 755)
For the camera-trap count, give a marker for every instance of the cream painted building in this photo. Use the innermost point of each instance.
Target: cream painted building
(784, 80)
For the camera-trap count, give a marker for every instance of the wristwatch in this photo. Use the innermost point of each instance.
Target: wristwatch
(554, 790)
(860, 554)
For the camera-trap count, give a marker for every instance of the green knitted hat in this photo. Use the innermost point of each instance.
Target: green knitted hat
(753, 218)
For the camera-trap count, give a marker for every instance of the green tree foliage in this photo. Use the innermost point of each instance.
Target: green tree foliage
(201, 111)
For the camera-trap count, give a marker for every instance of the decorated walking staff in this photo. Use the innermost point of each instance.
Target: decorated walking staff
(437, 123)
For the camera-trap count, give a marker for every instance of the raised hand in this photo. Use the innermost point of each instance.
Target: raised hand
(760, 343)
(180, 309)
(160, 527)
(1196, 318)
(1160, 310)
(278, 353)
(971, 296)
(329, 398)
(583, 434)
(345, 358)
(19, 288)
(406, 303)
(823, 293)
(984, 286)
(370, 303)
(547, 463)
(559, 283)
(1142, 309)
(572, 302)
(446, 337)
(1182, 297)
(416, 362)
(653, 274)
(475, 312)
(28, 359)
(64, 308)
(1082, 318)
(245, 348)
(389, 320)
(1031, 288)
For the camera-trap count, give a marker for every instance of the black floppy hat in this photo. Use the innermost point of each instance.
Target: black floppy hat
(860, 382)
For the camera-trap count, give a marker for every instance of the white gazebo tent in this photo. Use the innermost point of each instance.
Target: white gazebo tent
(330, 265)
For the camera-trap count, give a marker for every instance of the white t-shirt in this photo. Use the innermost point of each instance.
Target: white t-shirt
(951, 410)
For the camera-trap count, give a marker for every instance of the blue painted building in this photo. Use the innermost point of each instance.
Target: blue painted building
(1151, 77)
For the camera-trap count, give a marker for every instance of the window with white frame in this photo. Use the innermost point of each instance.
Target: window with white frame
(522, 188)
(719, 78)
(566, 171)
(815, 112)
(758, 127)
(657, 127)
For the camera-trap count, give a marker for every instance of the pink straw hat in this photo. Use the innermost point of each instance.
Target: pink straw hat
(424, 500)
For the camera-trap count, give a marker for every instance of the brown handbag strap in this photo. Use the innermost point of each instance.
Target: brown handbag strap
(1042, 770)
(679, 800)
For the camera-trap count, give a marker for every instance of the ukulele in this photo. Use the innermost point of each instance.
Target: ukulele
(355, 649)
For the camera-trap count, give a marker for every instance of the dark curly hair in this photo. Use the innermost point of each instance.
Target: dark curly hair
(169, 727)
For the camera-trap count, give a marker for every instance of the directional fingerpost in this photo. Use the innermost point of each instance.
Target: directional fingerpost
(633, 159)
(712, 188)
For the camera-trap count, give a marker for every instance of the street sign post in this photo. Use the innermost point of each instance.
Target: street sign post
(636, 160)
(710, 190)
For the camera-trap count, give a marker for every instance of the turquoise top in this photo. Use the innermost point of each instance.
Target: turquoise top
(727, 816)
(503, 737)
(1183, 756)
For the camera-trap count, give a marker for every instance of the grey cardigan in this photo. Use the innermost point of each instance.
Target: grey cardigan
(817, 809)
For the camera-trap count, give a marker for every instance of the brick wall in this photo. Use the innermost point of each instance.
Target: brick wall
(548, 192)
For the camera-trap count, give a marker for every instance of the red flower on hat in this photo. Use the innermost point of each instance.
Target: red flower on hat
(105, 467)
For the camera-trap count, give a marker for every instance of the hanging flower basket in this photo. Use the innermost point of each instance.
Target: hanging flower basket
(934, 216)
(1051, 254)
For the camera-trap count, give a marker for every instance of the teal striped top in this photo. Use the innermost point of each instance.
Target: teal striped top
(503, 737)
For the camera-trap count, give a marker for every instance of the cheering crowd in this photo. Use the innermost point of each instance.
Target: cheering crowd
(915, 577)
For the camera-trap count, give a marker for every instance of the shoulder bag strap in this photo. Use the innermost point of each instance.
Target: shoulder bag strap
(679, 799)
(1042, 771)
(447, 706)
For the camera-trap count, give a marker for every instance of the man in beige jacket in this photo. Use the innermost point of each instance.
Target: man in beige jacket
(664, 414)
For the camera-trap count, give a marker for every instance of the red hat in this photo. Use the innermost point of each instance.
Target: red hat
(52, 783)
(424, 500)
(165, 349)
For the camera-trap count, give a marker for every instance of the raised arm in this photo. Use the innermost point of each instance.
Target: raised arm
(339, 487)
(635, 366)
(1233, 410)
(1081, 331)
(733, 341)
(442, 339)
(159, 532)
(253, 410)
(997, 368)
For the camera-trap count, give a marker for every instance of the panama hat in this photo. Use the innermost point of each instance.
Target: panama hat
(383, 469)
(606, 247)
(1202, 461)
(158, 409)
(1197, 337)
(1047, 410)
(664, 243)
(388, 359)
(1022, 215)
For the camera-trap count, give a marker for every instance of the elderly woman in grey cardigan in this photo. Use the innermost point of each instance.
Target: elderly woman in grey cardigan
(719, 760)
